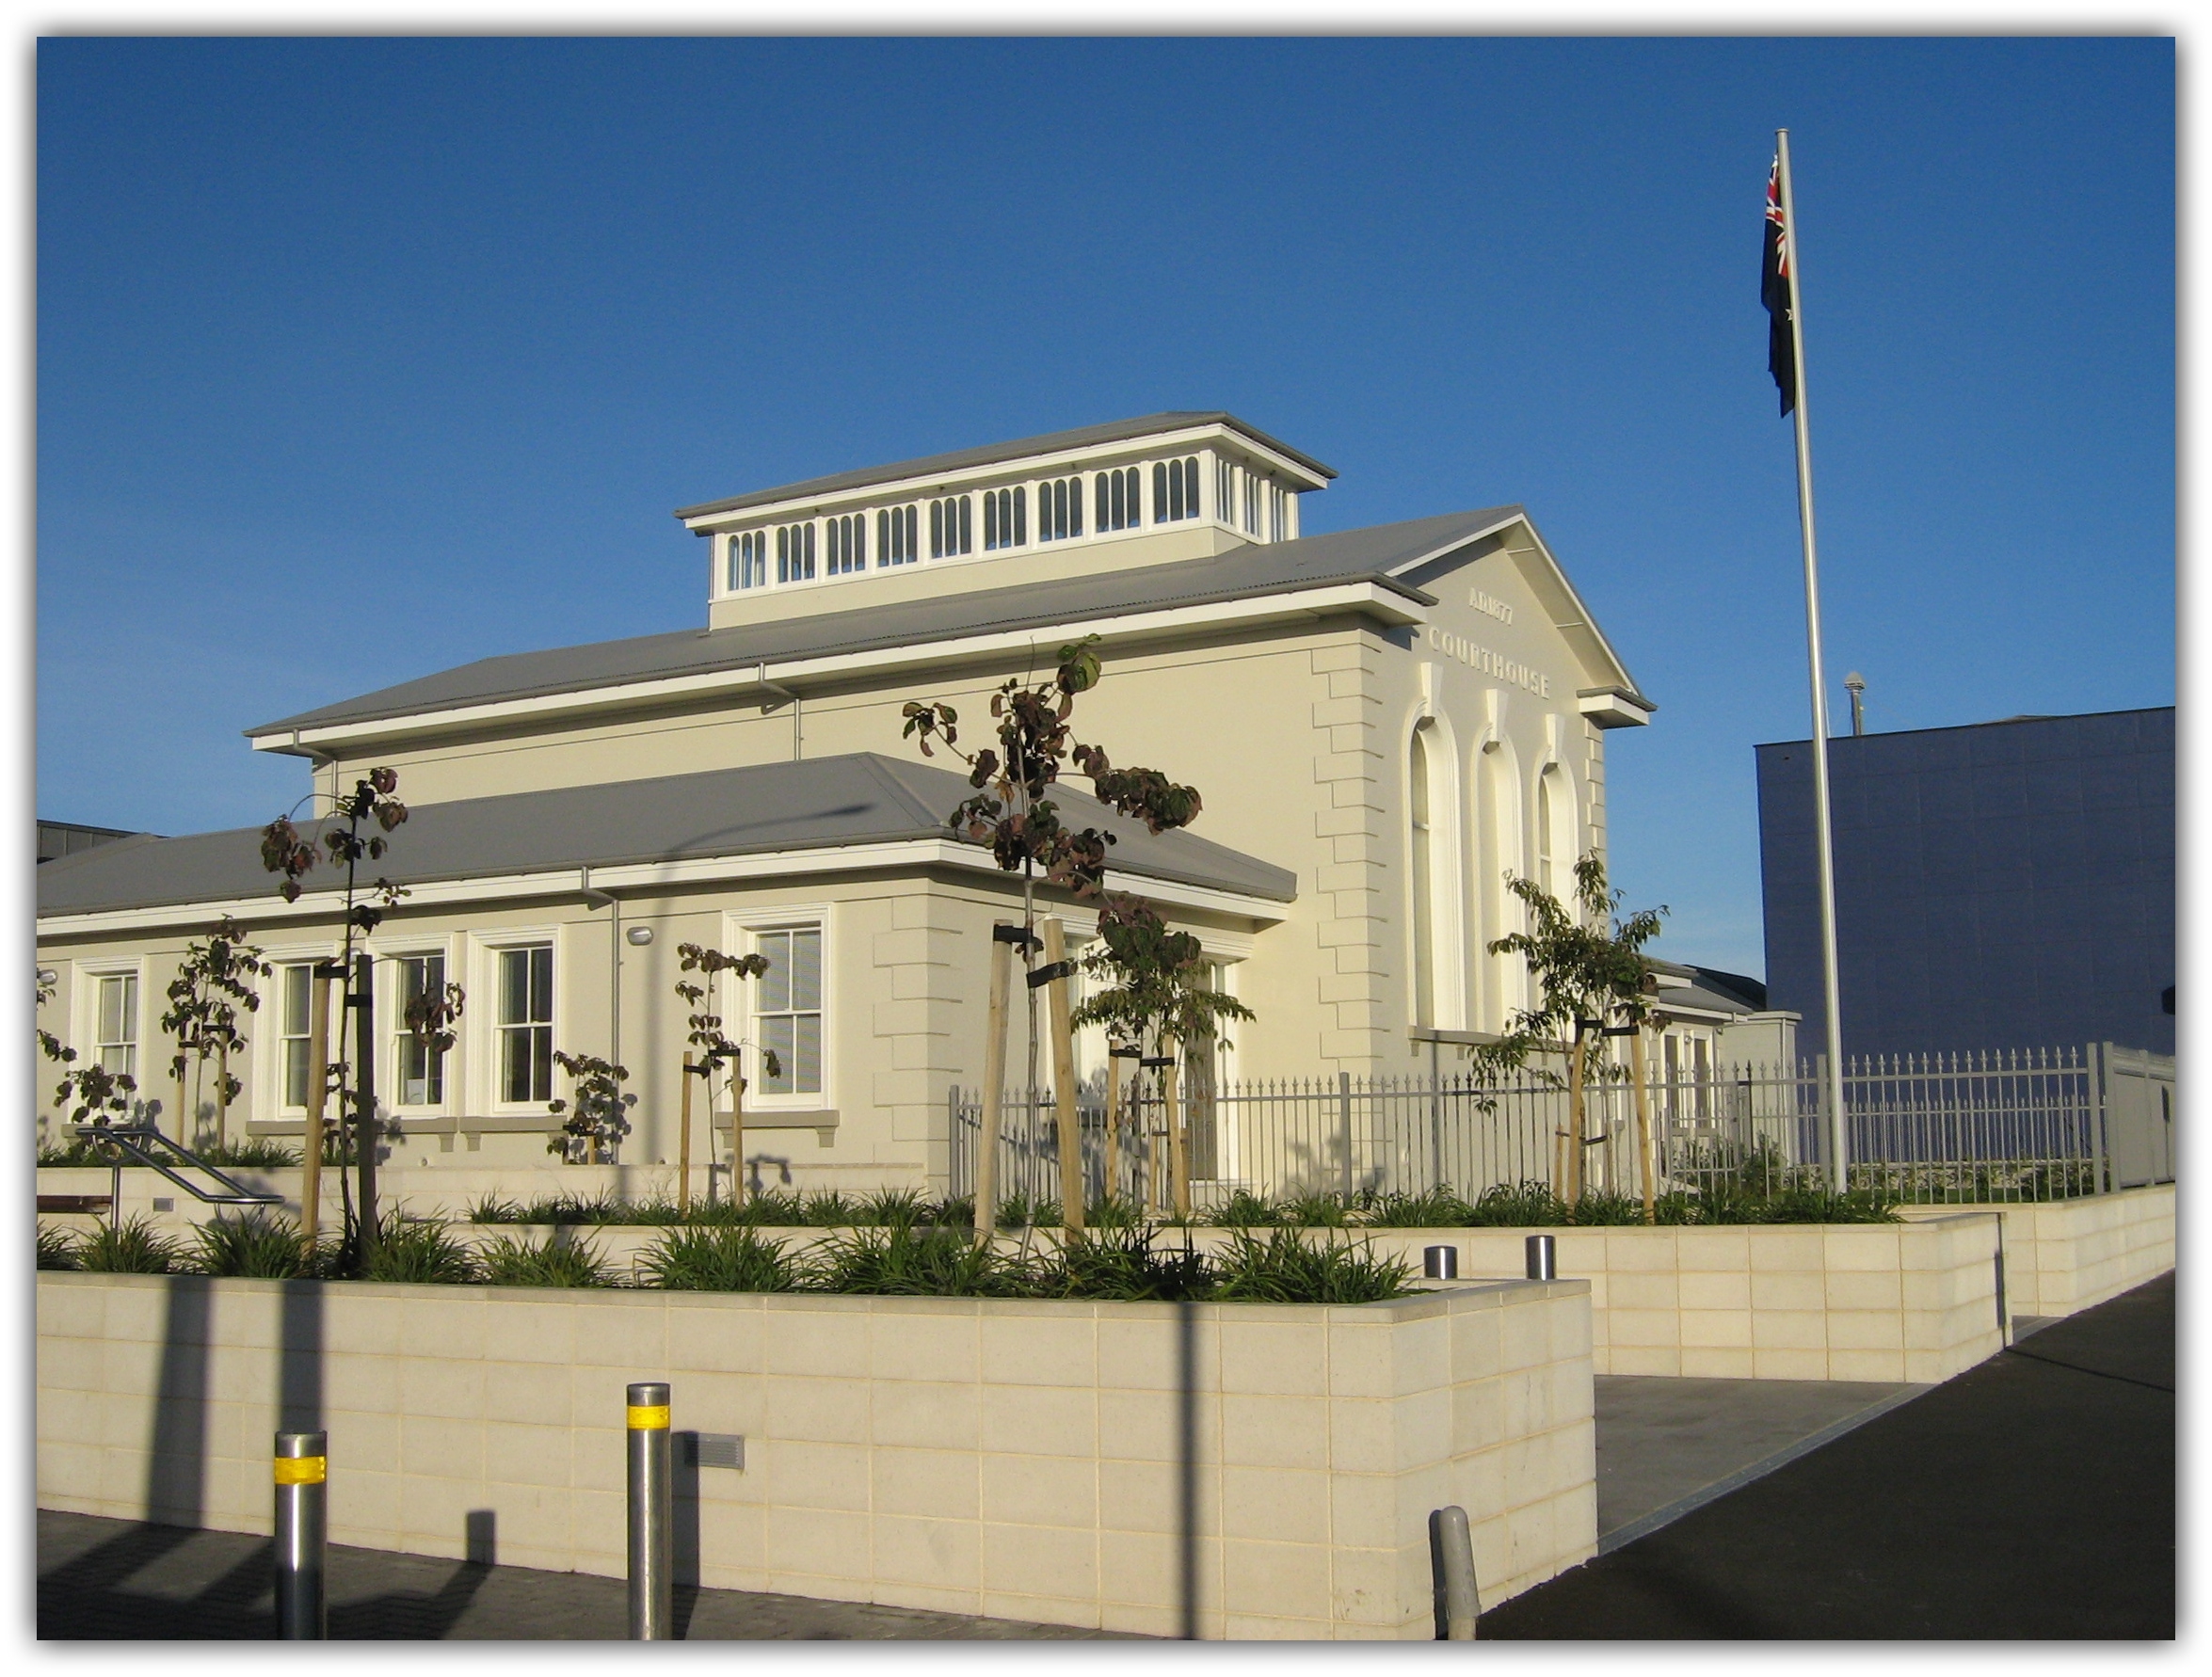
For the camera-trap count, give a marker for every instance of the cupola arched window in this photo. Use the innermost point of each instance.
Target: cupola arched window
(1005, 518)
(847, 541)
(896, 528)
(951, 527)
(1175, 490)
(794, 554)
(1117, 498)
(1060, 509)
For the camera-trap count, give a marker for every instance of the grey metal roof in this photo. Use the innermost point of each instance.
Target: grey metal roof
(991, 453)
(1372, 554)
(863, 798)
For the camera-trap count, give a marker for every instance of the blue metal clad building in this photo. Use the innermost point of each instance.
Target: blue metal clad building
(2004, 886)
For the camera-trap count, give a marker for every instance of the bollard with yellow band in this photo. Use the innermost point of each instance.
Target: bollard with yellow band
(302, 1472)
(652, 1557)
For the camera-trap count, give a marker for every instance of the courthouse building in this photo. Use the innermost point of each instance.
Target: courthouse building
(1383, 723)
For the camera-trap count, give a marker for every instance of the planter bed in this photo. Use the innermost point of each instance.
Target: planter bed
(1013, 1458)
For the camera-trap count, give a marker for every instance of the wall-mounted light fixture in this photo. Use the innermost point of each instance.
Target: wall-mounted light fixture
(640, 936)
(47, 975)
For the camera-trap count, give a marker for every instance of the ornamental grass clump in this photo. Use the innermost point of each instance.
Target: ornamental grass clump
(58, 1248)
(927, 1262)
(505, 1260)
(135, 1248)
(410, 1249)
(1286, 1269)
(259, 1245)
(718, 1260)
(1105, 1262)
(1437, 1208)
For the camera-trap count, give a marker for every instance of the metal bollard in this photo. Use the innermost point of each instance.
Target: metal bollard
(1543, 1257)
(652, 1556)
(302, 1472)
(1452, 1558)
(1439, 1263)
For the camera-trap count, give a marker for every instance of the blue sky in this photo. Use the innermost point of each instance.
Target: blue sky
(361, 359)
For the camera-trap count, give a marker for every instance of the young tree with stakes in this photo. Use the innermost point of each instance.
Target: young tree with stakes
(1013, 815)
(599, 1119)
(709, 1049)
(205, 1000)
(98, 1094)
(285, 851)
(1156, 994)
(1589, 966)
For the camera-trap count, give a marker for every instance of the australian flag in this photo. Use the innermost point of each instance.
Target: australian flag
(1774, 291)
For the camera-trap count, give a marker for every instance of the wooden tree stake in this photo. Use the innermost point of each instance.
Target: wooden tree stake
(1642, 1128)
(994, 1093)
(1178, 1160)
(1071, 1133)
(684, 1142)
(1574, 1118)
(736, 1132)
(318, 1082)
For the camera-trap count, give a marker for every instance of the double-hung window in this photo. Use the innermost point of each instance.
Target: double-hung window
(525, 1024)
(295, 1021)
(116, 1030)
(422, 1068)
(1225, 490)
(787, 1005)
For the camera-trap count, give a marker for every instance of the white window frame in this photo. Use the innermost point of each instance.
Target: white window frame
(739, 999)
(392, 1009)
(86, 983)
(267, 1075)
(484, 965)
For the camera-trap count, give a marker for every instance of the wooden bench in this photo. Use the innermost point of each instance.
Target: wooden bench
(92, 1203)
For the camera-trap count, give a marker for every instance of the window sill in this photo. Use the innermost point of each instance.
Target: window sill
(781, 1118)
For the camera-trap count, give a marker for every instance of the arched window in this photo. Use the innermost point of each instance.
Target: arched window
(895, 531)
(1421, 909)
(1225, 489)
(1175, 490)
(1116, 499)
(1060, 509)
(794, 554)
(1505, 978)
(952, 528)
(748, 560)
(1005, 518)
(1557, 843)
(847, 542)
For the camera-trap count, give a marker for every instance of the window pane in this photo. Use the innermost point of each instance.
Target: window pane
(295, 1071)
(1021, 516)
(966, 528)
(541, 983)
(807, 1072)
(806, 969)
(774, 991)
(776, 1037)
(296, 981)
(541, 1063)
(513, 986)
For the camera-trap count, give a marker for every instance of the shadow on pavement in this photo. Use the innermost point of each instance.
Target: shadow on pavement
(2032, 1497)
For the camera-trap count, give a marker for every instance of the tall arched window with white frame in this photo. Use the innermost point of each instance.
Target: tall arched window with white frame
(1557, 841)
(1422, 885)
(1175, 490)
(1005, 518)
(897, 530)
(1060, 509)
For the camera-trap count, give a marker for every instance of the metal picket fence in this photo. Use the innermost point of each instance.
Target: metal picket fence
(2026, 1125)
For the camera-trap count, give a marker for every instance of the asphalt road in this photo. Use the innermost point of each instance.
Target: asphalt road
(2032, 1496)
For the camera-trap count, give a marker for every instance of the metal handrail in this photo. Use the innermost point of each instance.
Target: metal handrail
(127, 1137)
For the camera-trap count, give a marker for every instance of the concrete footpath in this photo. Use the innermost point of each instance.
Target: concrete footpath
(2032, 1496)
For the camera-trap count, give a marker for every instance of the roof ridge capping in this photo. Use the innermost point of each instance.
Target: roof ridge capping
(992, 454)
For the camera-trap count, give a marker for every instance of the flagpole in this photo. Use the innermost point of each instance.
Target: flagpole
(1838, 1146)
